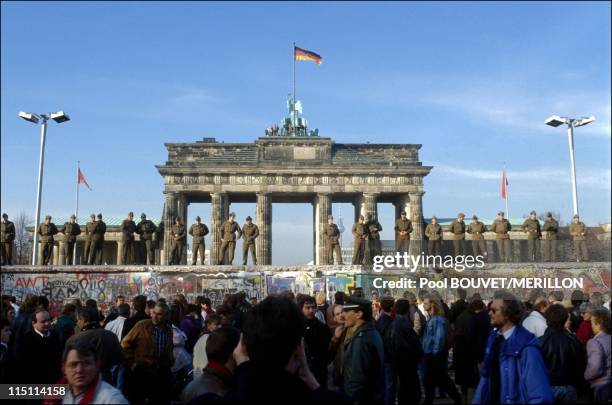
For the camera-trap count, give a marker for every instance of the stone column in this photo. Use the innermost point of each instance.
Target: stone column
(169, 216)
(402, 203)
(182, 212)
(263, 243)
(119, 248)
(55, 259)
(323, 208)
(416, 216)
(219, 208)
(366, 204)
(62, 255)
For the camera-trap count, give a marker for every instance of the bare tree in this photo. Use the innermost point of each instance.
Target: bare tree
(22, 240)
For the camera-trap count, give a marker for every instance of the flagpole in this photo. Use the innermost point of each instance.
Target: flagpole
(293, 115)
(506, 187)
(76, 212)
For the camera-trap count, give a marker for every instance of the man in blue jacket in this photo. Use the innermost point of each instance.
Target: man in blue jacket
(513, 371)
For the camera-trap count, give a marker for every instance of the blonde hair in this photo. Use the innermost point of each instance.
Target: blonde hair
(320, 298)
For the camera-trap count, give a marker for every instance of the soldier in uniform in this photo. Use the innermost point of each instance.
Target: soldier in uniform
(46, 232)
(96, 251)
(477, 230)
(501, 226)
(250, 232)
(534, 233)
(146, 228)
(179, 235)
(228, 238)
(89, 229)
(128, 227)
(374, 244)
(198, 231)
(550, 229)
(578, 231)
(70, 230)
(457, 228)
(7, 236)
(360, 233)
(403, 229)
(332, 239)
(433, 232)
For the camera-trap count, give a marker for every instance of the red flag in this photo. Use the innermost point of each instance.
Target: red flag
(82, 179)
(504, 190)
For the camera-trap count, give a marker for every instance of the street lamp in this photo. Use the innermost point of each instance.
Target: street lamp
(58, 117)
(555, 121)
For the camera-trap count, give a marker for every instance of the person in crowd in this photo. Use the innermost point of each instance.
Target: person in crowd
(65, 323)
(481, 328)
(183, 361)
(447, 312)
(535, 322)
(585, 330)
(6, 363)
(200, 360)
(206, 309)
(599, 357)
(43, 302)
(81, 368)
(556, 297)
(406, 354)
(460, 305)
(606, 300)
(38, 356)
(363, 357)
(321, 306)
(384, 326)
(8, 312)
(577, 298)
(435, 347)
(190, 325)
(139, 305)
(513, 371)
(416, 316)
(330, 316)
(23, 321)
(106, 342)
(597, 299)
(564, 356)
(336, 344)
(316, 340)
(216, 377)
(465, 359)
(148, 353)
(150, 304)
(116, 325)
(375, 305)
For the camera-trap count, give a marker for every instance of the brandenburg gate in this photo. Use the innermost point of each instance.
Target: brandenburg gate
(292, 166)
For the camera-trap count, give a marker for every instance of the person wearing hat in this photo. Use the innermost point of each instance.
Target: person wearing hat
(96, 252)
(7, 236)
(70, 230)
(332, 241)
(501, 226)
(457, 229)
(477, 230)
(363, 357)
(550, 229)
(433, 232)
(374, 244)
(128, 227)
(229, 228)
(89, 229)
(578, 231)
(250, 232)
(403, 229)
(146, 228)
(179, 236)
(198, 231)
(46, 232)
(534, 233)
(360, 235)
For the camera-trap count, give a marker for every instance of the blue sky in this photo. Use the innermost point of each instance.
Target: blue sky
(472, 82)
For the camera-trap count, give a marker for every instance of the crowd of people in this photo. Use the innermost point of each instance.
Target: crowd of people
(301, 349)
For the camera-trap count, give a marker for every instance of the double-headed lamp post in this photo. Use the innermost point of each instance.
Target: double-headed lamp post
(58, 117)
(555, 121)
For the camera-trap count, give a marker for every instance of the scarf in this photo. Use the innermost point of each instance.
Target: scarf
(87, 397)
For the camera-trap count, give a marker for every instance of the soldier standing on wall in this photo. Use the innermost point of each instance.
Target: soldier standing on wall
(179, 234)
(96, 254)
(374, 244)
(403, 229)
(228, 238)
(457, 229)
(7, 236)
(501, 226)
(146, 229)
(332, 234)
(477, 230)
(198, 231)
(578, 231)
(549, 238)
(433, 232)
(70, 230)
(46, 232)
(128, 227)
(532, 227)
(89, 228)
(360, 233)
(250, 232)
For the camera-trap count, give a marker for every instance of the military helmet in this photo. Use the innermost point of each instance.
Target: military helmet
(475, 217)
(198, 218)
(434, 217)
(361, 217)
(403, 213)
(4, 215)
(232, 214)
(461, 214)
(99, 216)
(549, 214)
(576, 216)
(92, 216)
(143, 215)
(330, 217)
(532, 212)
(73, 216)
(130, 214)
(500, 213)
(48, 217)
(249, 218)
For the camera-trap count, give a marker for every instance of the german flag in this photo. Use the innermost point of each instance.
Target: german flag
(303, 54)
